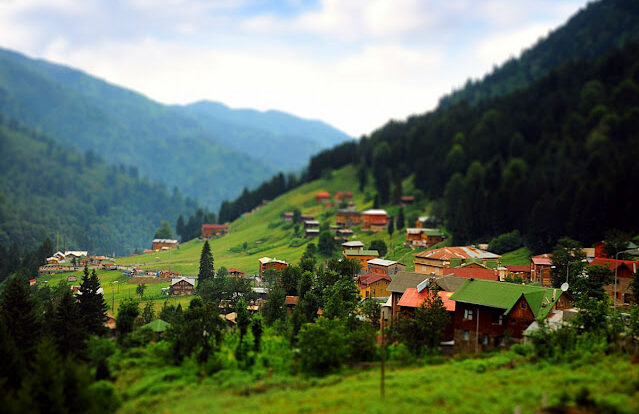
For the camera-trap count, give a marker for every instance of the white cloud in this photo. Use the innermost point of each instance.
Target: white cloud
(500, 47)
(352, 63)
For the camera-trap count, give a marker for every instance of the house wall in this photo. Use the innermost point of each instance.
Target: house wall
(374, 222)
(159, 246)
(428, 266)
(362, 260)
(182, 288)
(375, 289)
(540, 274)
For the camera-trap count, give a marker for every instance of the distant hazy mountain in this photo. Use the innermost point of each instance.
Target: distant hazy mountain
(208, 158)
(288, 139)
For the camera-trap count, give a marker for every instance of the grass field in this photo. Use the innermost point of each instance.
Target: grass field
(493, 385)
(118, 287)
(267, 234)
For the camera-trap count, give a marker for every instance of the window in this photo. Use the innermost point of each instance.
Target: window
(498, 318)
(524, 305)
(468, 314)
(465, 335)
(485, 340)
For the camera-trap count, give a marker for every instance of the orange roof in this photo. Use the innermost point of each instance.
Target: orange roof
(612, 264)
(457, 252)
(215, 226)
(368, 279)
(414, 299)
(234, 270)
(473, 272)
(323, 194)
(292, 300)
(542, 259)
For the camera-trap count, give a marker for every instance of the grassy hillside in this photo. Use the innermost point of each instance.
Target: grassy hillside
(267, 234)
(491, 385)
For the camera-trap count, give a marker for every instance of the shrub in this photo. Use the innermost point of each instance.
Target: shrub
(322, 346)
(506, 242)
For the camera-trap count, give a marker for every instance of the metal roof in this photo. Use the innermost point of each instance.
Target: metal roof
(375, 212)
(361, 253)
(382, 262)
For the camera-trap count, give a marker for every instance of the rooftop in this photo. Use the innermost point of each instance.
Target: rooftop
(165, 241)
(504, 295)
(354, 243)
(361, 253)
(382, 262)
(473, 272)
(370, 278)
(405, 280)
(375, 212)
(460, 252)
(414, 299)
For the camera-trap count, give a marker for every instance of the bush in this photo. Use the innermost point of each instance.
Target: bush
(322, 346)
(506, 242)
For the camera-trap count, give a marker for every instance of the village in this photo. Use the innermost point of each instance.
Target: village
(491, 304)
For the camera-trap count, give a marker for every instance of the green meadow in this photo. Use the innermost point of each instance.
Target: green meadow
(118, 287)
(266, 233)
(497, 384)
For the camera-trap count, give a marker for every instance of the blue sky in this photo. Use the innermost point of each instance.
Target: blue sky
(352, 63)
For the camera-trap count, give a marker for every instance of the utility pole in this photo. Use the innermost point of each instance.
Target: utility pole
(382, 391)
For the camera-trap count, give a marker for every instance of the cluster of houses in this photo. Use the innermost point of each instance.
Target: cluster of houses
(425, 234)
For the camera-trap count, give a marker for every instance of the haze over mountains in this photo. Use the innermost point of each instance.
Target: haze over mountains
(209, 151)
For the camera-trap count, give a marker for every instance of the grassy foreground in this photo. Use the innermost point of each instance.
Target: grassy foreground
(494, 385)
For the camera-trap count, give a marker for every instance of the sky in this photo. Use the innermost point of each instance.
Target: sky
(354, 64)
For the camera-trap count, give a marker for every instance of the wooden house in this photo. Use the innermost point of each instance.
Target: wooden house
(181, 286)
(414, 298)
(306, 217)
(344, 234)
(406, 280)
(522, 271)
(163, 244)
(406, 200)
(625, 270)
(352, 245)
(487, 311)
(214, 230)
(373, 285)
(343, 195)
(235, 272)
(385, 267)
(288, 216)
(311, 224)
(540, 266)
(374, 220)
(422, 237)
(322, 196)
(362, 256)
(266, 263)
(348, 217)
(435, 261)
(291, 302)
(311, 233)
(473, 271)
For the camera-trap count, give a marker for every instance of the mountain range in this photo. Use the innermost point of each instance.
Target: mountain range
(206, 149)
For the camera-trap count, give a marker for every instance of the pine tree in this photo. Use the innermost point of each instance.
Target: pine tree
(401, 219)
(93, 307)
(179, 228)
(391, 227)
(257, 329)
(68, 330)
(18, 308)
(207, 271)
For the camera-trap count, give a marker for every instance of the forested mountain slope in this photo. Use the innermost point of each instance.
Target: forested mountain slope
(557, 158)
(598, 28)
(47, 190)
(208, 158)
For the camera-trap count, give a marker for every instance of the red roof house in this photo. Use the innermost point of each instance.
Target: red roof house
(322, 196)
(210, 230)
(625, 270)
